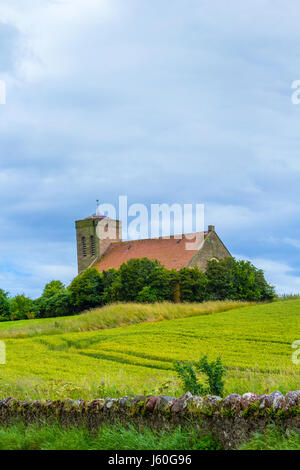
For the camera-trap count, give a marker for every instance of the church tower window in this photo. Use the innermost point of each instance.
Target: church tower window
(93, 246)
(83, 241)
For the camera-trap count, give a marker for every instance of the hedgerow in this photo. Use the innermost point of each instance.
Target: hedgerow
(142, 280)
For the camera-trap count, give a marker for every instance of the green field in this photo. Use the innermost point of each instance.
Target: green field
(46, 359)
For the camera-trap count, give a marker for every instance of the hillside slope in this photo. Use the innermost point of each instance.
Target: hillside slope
(113, 316)
(254, 343)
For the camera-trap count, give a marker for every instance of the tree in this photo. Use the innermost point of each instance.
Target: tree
(111, 286)
(58, 305)
(21, 307)
(221, 279)
(133, 277)
(54, 301)
(193, 285)
(159, 285)
(4, 306)
(147, 295)
(53, 288)
(86, 290)
(237, 280)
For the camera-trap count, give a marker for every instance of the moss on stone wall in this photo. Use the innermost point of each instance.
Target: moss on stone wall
(233, 419)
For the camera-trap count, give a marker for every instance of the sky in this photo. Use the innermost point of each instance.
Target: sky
(165, 102)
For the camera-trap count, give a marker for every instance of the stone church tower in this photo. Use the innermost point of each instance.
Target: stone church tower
(94, 235)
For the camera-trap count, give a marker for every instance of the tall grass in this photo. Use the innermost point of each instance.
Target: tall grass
(108, 437)
(20, 436)
(274, 438)
(115, 315)
(288, 297)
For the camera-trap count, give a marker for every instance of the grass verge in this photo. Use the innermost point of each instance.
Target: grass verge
(108, 437)
(274, 439)
(113, 316)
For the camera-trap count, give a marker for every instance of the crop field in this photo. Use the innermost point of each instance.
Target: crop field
(253, 341)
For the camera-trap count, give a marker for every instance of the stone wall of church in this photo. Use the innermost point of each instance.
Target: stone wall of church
(212, 248)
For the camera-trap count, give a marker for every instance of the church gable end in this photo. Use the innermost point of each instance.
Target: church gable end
(212, 248)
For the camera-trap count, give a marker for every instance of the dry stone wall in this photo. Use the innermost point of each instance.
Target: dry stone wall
(232, 419)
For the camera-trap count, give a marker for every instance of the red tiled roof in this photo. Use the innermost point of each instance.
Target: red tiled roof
(171, 252)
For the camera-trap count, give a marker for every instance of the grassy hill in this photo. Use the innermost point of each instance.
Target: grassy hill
(113, 316)
(58, 358)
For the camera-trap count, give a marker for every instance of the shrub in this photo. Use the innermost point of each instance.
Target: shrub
(21, 307)
(86, 290)
(214, 371)
(187, 373)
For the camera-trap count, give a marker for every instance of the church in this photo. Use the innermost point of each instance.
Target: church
(100, 245)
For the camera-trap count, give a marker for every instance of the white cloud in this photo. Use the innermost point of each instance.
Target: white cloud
(162, 104)
(293, 242)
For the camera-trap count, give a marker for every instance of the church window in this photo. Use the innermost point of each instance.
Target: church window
(93, 246)
(83, 242)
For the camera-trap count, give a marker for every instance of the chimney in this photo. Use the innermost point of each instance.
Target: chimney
(211, 228)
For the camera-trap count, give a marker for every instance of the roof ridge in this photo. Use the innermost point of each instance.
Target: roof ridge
(166, 237)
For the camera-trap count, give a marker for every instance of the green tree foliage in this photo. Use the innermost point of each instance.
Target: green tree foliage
(237, 280)
(4, 306)
(147, 295)
(142, 280)
(111, 286)
(159, 285)
(86, 290)
(21, 307)
(54, 301)
(213, 371)
(133, 277)
(58, 305)
(193, 285)
(53, 288)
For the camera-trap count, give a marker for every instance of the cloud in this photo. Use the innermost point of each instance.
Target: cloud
(164, 104)
(280, 275)
(294, 243)
(10, 43)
